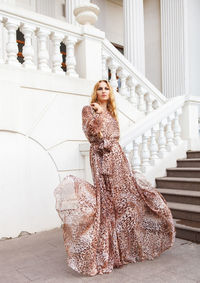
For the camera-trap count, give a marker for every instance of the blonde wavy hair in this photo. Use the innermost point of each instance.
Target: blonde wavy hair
(111, 106)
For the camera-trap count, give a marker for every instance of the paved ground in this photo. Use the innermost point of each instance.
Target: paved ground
(41, 258)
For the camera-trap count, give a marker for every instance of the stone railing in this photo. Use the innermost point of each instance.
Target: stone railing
(42, 37)
(130, 83)
(157, 135)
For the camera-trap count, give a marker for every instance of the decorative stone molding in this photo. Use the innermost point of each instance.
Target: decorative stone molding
(87, 14)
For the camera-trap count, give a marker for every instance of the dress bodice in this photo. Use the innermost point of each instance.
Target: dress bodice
(93, 124)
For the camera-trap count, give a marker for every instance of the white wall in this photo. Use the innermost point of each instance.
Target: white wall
(194, 46)
(111, 19)
(40, 133)
(153, 42)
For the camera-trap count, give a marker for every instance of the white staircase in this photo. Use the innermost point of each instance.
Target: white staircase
(42, 103)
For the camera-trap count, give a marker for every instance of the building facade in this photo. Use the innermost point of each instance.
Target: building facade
(51, 54)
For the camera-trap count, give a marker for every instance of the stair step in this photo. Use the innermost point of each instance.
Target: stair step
(185, 211)
(192, 162)
(178, 183)
(181, 196)
(193, 154)
(188, 230)
(186, 172)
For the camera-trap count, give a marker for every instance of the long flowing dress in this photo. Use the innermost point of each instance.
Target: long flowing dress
(118, 220)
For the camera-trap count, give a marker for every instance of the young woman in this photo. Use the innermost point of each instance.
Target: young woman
(122, 218)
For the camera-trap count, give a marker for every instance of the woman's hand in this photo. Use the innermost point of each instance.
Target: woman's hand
(97, 107)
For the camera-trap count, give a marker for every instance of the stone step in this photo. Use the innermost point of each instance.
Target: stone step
(185, 211)
(178, 183)
(193, 154)
(181, 196)
(186, 172)
(192, 162)
(187, 230)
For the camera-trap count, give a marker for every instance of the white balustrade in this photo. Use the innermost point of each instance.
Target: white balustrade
(12, 48)
(28, 51)
(43, 53)
(70, 59)
(41, 49)
(57, 56)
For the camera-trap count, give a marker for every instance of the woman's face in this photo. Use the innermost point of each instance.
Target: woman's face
(103, 92)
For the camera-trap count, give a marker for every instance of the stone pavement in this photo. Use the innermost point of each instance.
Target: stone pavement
(40, 257)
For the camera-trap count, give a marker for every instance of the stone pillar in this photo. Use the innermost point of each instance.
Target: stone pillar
(70, 5)
(134, 33)
(174, 48)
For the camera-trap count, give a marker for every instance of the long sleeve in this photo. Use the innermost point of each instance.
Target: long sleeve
(91, 123)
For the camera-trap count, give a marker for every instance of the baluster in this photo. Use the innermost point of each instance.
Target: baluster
(113, 80)
(155, 104)
(177, 128)
(123, 75)
(162, 139)
(141, 92)
(28, 51)
(145, 154)
(12, 48)
(57, 56)
(132, 96)
(43, 53)
(154, 145)
(169, 133)
(104, 66)
(136, 161)
(70, 42)
(1, 40)
(149, 107)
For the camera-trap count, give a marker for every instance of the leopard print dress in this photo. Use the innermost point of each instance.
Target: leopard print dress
(121, 218)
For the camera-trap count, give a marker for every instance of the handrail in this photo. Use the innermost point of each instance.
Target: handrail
(43, 20)
(132, 70)
(152, 119)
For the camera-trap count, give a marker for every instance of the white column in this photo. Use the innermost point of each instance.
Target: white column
(70, 5)
(134, 33)
(174, 47)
